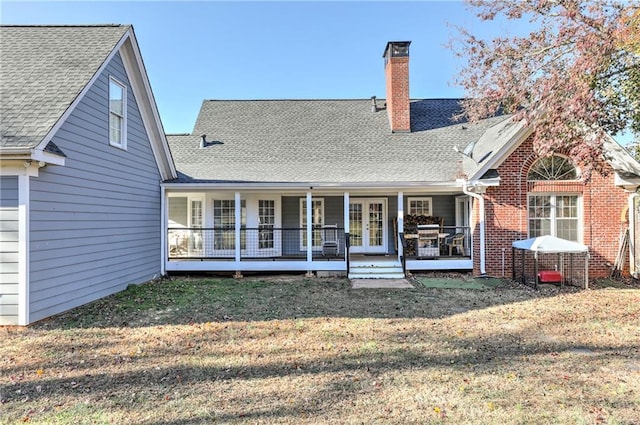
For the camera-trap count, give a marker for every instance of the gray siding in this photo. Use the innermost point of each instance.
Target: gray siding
(8, 250)
(443, 206)
(95, 223)
(334, 214)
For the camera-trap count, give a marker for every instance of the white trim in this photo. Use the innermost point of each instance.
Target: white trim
(122, 143)
(309, 216)
(400, 222)
(237, 225)
(481, 217)
(365, 247)
(41, 146)
(23, 250)
(257, 266)
(19, 168)
(345, 208)
(553, 217)
(462, 212)
(440, 264)
(420, 198)
(164, 230)
(381, 187)
(141, 87)
(539, 159)
(148, 108)
(507, 148)
(48, 157)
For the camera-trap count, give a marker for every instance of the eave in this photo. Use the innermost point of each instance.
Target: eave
(381, 187)
(30, 154)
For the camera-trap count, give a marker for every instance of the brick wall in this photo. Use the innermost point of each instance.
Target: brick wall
(506, 214)
(397, 80)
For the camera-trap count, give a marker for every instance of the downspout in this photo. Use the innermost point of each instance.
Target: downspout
(465, 190)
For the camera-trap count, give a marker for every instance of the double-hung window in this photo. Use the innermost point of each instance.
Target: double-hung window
(117, 114)
(556, 213)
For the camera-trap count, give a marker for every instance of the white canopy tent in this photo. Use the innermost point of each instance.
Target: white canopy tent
(550, 245)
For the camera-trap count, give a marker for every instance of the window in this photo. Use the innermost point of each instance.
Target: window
(224, 222)
(117, 114)
(554, 167)
(195, 222)
(317, 221)
(267, 220)
(419, 206)
(555, 215)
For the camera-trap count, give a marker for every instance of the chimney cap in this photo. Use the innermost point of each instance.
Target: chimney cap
(396, 48)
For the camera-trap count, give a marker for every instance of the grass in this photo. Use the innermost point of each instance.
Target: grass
(458, 282)
(305, 351)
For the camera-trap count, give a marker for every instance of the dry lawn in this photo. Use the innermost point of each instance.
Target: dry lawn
(307, 351)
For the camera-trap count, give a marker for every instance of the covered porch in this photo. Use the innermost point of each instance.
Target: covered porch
(270, 230)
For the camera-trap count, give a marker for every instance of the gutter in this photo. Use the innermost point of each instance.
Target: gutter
(20, 153)
(466, 190)
(434, 186)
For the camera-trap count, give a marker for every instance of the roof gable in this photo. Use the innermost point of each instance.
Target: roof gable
(70, 58)
(43, 70)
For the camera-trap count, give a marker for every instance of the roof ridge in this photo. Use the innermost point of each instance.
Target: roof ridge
(368, 99)
(64, 25)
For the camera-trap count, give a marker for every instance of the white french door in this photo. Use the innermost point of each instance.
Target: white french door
(368, 225)
(463, 212)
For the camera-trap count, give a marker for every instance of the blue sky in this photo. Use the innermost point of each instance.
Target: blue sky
(274, 50)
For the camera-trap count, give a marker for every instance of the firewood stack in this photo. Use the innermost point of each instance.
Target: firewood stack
(411, 222)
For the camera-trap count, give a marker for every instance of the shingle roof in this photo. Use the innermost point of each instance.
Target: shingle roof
(323, 141)
(42, 70)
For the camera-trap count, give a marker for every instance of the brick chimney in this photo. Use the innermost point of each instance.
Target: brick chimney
(396, 64)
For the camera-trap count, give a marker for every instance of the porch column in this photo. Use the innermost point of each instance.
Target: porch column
(24, 295)
(346, 212)
(400, 221)
(347, 229)
(238, 227)
(309, 234)
(163, 231)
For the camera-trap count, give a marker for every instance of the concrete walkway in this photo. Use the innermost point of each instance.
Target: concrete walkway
(380, 283)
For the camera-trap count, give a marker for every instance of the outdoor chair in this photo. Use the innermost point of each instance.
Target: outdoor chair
(330, 243)
(455, 241)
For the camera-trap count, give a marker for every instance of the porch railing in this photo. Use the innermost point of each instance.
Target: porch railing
(453, 242)
(403, 257)
(264, 242)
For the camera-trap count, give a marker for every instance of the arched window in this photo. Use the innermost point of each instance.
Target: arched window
(551, 213)
(554, 167)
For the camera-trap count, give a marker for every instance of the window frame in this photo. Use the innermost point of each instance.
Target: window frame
(553, 213)
(566, 160)
(224, 234)
(122, 142)
(423, 199)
